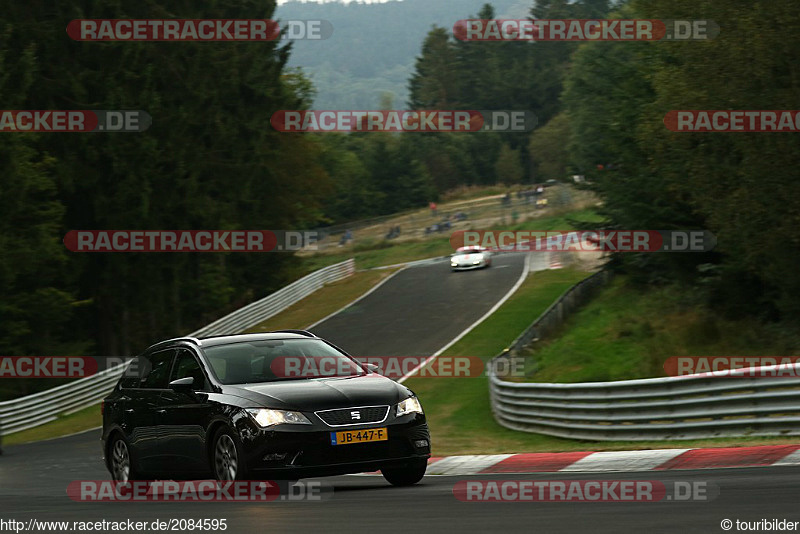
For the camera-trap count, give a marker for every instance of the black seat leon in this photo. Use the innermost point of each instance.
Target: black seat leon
(277, 405)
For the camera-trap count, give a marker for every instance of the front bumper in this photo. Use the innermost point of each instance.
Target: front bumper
(467, 266)
(297, 451)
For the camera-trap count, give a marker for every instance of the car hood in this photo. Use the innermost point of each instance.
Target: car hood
(322, 393)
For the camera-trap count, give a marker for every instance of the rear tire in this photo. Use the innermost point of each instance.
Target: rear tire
(120, 461)
(405, 476)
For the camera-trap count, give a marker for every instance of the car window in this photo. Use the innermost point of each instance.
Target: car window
(130, 378)
(154, 369)
(274, 360)
(187, 365)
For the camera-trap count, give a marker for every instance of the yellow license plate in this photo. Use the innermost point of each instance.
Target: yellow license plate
(348, 437)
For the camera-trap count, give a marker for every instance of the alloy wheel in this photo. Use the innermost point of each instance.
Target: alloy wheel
(226, 459)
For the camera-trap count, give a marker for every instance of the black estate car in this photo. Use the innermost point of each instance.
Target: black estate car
(259, 406)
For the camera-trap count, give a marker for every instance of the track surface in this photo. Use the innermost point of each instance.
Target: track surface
(35, 477)
(415, 313)
(422, 308)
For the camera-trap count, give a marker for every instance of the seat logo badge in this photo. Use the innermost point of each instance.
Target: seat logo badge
(355, 415)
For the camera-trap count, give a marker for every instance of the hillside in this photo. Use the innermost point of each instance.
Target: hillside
(373, 47)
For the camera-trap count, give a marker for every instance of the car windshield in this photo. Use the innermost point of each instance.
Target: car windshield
(279, 359)
(461, 252)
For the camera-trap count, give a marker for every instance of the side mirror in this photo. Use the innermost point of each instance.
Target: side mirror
(373, 368)
(182, 384)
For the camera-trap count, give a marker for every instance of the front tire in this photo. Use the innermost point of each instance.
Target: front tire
(227, 459)
(405, 476)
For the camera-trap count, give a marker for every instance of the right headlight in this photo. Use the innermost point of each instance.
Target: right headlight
(265, 417)
(410, 405)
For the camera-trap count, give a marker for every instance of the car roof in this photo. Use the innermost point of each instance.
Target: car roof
(471, 248)
(212, 341)
(240, 338)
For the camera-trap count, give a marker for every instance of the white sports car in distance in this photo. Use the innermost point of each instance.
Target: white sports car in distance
(473, 257)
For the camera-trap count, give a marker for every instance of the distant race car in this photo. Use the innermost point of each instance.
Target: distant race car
(473, 257)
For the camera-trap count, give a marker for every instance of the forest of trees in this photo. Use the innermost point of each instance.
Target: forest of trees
(371, 53)
(741, 186)
(211, 160)
(601, 106)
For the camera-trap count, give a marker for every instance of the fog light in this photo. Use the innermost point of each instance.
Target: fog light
(274, 457)
(421, 443)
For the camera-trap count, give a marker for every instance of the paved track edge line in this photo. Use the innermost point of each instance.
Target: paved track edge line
(522, 277)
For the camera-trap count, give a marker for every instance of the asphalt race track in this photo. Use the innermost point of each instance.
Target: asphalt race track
(422, 308)
(34, 478)
(416, 313)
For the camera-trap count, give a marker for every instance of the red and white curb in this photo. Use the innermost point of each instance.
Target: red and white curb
(616, 461)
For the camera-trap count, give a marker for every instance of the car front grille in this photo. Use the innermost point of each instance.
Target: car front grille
(354, 416)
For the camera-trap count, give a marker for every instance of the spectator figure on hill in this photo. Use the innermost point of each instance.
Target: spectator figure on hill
(432, 205)
(394, 231)
(347, 236)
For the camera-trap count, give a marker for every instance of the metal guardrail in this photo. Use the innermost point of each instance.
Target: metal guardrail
(720, 404)
(684, 407)
(263, 309)
(40, 408)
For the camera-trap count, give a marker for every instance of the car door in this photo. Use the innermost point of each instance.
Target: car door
(140, 409)
(185, 415)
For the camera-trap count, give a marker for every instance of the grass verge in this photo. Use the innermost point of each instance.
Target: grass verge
(68, 424)
(324, 301)
(626, 333)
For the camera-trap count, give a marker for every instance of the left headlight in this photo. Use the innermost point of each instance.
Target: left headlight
(410, 405)
(266, 417)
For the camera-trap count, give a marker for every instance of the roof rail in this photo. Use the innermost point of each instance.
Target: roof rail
(190, 339)
(301, 332)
